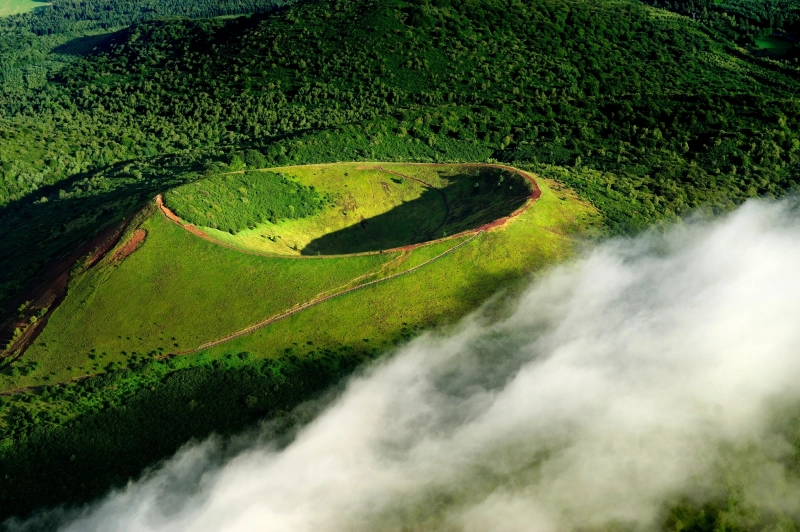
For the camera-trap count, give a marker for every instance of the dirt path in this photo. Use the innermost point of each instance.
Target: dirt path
(398, 260)
(319, 300)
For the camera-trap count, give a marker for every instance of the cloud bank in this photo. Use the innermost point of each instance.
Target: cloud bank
(653, 370)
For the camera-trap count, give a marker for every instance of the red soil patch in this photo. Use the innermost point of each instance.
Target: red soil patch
(49, 289)
(130, 246)
(166, 210)
(189, 227)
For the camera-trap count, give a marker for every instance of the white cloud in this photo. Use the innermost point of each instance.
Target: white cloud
(651, 370)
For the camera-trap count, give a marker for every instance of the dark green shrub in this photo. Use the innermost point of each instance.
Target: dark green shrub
(236, 202)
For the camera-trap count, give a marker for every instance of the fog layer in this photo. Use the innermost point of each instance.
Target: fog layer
(653, 370)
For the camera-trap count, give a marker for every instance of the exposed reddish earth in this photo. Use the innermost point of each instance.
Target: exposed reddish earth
(49, 289)
(130, 246)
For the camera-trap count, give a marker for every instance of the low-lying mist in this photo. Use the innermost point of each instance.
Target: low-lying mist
(654, 370)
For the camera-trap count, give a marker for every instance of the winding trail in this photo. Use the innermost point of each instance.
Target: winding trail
(319, 300)
(472, 233)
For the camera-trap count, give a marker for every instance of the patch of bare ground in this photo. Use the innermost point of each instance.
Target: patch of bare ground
(27, 315)
(130, 246)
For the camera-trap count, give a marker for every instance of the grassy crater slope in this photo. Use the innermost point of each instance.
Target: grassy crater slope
(176, 291)
(67, 444)
(347, 208)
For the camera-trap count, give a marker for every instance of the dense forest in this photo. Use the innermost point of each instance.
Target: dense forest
(170, 408)
(741, 21)
(648, 113)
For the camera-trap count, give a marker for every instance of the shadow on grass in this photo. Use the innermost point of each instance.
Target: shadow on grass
(470, 200)
(409, 223)
(50, 224)
(83, 46)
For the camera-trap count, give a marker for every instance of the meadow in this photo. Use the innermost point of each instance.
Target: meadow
(177, 291)
(15, 7)
(359, 193)
(546, 234)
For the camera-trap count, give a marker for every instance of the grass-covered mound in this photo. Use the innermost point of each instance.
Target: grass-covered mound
(235, 202)
(367, 207)
(177, 291)
(70, 443)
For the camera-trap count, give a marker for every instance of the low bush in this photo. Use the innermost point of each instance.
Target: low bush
(235, 202)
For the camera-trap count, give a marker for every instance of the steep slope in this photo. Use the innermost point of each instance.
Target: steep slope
(123, 319)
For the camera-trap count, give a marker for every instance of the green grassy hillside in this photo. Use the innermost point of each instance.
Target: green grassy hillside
(646, 114)
(548, 233)
(178, 291)
(175, 292)
(370, 207)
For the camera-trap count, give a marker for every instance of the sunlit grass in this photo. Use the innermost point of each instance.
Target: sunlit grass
(178, 291)
(15, 7)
